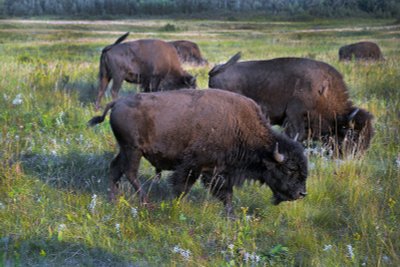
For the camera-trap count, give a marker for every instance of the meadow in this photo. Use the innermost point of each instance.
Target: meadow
(54, 207)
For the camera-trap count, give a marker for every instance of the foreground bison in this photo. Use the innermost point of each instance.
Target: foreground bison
(188, 52)
(309, 98)
(154, 64)
(218, 134)
(361, 50)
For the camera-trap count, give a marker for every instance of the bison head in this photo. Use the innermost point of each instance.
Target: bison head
(178, 82)
(286, 171)
(355, 130)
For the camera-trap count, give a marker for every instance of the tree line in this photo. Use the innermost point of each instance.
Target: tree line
(98, 8)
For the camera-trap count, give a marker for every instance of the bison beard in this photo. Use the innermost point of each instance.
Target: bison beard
(154, 64)
(218, 135)
(308, 98)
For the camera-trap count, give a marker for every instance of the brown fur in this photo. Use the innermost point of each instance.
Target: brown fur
(218, 134)
(360, 51)
(154, 64)
(188, 52)
(309, 98)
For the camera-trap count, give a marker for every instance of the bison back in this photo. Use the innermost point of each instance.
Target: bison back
(277, 83)
(200, 124)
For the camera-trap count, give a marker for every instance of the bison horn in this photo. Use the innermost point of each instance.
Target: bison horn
(278, 156)
(296, 137)
(353, 114)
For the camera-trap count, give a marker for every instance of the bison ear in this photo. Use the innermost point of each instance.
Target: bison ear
(324, 88)
(278, 156)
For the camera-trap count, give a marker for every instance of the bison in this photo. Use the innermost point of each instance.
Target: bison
(154, 64)
(219, 135)
(189, 52)
(307, 97)
(360, 51)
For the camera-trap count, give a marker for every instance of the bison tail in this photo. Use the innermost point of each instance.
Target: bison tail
(119, 40)
(99, 119)
(220, 68)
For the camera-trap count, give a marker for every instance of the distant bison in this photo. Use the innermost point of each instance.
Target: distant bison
(218, 134)
(154, 64)
(188, 52)
(361, 50)
(309, 98)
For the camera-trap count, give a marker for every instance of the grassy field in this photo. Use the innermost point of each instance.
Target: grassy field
(54, 209)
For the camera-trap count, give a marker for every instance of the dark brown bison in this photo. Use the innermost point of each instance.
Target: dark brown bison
(360, 51)
(189, 52)
(218, 134)
(154, 64)
(309, 98)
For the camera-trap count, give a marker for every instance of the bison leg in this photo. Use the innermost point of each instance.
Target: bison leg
(295, 124)
(115, 175)
(117, 83)
(182, 181)
(222, 189)
(154, 83)
(157, 176)
(145, 84)
(102, 89)
(131, 170)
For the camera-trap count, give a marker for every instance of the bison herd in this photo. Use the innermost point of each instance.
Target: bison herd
(223, 135)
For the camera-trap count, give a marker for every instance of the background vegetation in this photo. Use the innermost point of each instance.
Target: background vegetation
(296, 8)
(54, 209)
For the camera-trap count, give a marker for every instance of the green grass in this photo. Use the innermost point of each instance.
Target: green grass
(54, 209)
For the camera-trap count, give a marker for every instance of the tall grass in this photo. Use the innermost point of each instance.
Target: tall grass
(54, 209)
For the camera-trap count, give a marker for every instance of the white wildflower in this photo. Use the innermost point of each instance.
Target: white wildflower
(2, 206)
(184, 253)
(231, 246)
(134, 212)
(311, 165)
(118, 229)
(327, 247)
(17, 100)
(253, 257)
(61, 227)
(398, 161)
(246, 256)
(59, 119)
(93, 203)
(350, 251)
(386, 259)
